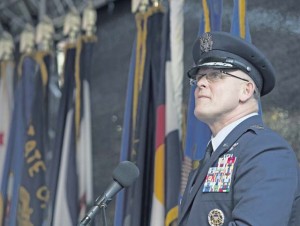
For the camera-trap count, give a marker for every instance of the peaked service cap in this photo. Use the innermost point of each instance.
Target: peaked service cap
(222, 50)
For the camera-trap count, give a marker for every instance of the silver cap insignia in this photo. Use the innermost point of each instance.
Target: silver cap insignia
(206, 42)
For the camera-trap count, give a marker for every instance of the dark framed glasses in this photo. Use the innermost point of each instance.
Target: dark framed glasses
(214, 76)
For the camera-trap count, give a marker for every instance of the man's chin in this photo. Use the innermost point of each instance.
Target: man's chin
(203, 116)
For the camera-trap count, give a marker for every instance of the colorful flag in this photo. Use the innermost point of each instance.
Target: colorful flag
(145, 85)
(174, 80)
(159, 167)
(144, 128)
(168, 154)
(155, 149)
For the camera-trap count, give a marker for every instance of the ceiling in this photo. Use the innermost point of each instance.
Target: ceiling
(15, 14)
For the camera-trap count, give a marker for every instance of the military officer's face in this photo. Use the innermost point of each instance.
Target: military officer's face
(218, 94)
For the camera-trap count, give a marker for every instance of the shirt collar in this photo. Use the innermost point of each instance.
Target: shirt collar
(222, 134)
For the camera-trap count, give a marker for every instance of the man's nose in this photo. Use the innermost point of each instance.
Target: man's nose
(202, 82)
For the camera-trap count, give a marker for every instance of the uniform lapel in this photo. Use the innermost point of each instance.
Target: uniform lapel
(224, 147)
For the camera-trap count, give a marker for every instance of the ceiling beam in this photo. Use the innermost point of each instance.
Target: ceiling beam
(59, 7)
(34, 3)
(13, 18)
(25, 11)
(70, 4)
(42, 9)
(5, 5)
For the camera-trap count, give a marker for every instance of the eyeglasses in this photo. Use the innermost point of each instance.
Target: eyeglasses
(214, 76)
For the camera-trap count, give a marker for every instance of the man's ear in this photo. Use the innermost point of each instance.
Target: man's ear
(247, 91)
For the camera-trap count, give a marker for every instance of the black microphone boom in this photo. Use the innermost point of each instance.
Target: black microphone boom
(123, 176)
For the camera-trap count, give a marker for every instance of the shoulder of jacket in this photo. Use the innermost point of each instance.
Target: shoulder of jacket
(258, 128)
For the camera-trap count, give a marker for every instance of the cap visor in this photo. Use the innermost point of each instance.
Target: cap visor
(214, 65)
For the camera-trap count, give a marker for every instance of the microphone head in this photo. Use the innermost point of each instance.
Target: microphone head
(126, 173)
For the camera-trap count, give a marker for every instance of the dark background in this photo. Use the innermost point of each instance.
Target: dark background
(275, 29)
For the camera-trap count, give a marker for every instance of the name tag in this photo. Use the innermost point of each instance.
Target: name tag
(218, 179)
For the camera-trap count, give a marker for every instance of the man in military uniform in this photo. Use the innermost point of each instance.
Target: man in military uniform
(258, 173)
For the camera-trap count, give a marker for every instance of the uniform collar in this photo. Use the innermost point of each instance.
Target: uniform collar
(222, 134)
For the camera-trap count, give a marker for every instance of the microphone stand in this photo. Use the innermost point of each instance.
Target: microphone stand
(125, 168)
(99, 204)
(104, 214)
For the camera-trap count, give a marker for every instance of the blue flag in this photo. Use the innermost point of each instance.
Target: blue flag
(198, 133)
(12, 173)
(126, 136)
(33, 192)
(240, 25)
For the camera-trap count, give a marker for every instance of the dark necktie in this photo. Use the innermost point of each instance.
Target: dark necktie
(208, 152)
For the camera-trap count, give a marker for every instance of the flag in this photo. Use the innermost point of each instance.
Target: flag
(138, 198)
(73, 189)
(6, 100)
(67, 204)
(33, 191)
(66, 191)
(144, 129)
(84, 138)
(147, 105)
(159, 167)
(168, 114)
(61, 156)
(198, 133)
(240, 26)
(174, 78)
(12, 173)
(239, 22)
(211, 19)
(126, 137)
(155, 194)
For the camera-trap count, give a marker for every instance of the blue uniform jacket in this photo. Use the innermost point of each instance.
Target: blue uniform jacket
(264, 188)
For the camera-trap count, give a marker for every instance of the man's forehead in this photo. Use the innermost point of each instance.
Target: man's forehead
(207, 70)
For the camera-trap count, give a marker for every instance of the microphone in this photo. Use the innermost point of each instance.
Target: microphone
(123, 176)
